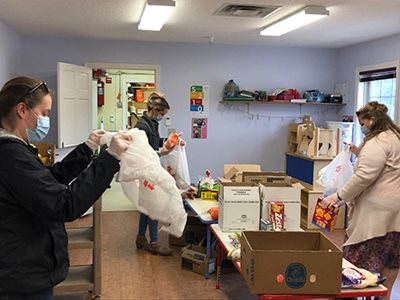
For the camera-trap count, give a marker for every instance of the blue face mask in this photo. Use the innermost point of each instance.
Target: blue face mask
(159, 118)
(41, 130)
(364, 130)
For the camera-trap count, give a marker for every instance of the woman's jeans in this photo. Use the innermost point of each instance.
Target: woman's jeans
(45, 294)
(153, 227)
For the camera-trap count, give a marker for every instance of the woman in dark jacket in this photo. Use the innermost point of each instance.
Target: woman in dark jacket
(157, 108)
(35, 201)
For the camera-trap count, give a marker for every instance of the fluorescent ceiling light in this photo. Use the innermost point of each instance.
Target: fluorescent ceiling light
(303, 17)
(155, 14)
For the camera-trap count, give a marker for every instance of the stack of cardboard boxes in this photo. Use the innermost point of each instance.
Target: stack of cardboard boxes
(287, 262)
(246, 192)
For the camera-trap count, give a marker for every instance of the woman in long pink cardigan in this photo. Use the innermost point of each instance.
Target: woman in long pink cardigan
(373, 196)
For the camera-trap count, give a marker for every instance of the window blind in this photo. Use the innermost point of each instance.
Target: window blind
(379, 74)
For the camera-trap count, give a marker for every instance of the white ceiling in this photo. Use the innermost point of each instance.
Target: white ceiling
(350, 21)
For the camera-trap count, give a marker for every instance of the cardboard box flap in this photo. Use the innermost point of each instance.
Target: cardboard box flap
(231, 173)
(265, 177)
(223, 180)
(230, 170)
(283, 184)
(239, 184)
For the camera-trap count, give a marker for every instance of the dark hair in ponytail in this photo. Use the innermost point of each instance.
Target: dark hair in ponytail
(20, 89)
(157, 101)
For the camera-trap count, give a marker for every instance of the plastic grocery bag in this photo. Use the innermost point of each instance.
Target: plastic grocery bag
(337, 173)
(150, 187)
(176, 164)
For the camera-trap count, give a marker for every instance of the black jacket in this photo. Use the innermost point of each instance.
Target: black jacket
(150, 126)
(35, 201)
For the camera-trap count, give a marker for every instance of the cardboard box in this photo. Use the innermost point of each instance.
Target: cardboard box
(194, 258)
(290, 195)
(234, 171)
(290, 263)
(266, 177)
(238, 206)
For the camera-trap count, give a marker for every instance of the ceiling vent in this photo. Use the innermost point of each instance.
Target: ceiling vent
(243, 10)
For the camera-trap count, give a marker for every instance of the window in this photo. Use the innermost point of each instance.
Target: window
(377, 83)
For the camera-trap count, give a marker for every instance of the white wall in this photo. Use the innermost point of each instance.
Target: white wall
(233, 137)
(9, 53)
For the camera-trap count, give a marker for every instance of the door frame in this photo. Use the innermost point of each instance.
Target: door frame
(155, 68)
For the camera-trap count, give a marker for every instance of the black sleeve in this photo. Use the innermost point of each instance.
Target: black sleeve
(73, 164)
(143, 126)
(161, 142)
(35, 188)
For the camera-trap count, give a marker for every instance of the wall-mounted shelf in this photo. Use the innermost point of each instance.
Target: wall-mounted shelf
(280, 102)
(277, 102)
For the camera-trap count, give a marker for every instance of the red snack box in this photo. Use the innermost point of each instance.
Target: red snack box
(277, 215)
(324, 218)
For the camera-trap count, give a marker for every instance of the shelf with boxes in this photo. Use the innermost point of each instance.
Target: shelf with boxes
(138, 94)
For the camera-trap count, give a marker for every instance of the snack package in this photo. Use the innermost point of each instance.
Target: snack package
(276, 212)
(360, 278)
(172, 141)
(324, 218)
(208, 187)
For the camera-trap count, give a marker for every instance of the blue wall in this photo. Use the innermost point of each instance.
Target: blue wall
(233, 135)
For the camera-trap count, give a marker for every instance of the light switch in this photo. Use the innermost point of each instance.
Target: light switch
(168, 121)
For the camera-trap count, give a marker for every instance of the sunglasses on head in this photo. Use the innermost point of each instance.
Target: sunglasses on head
(36, 87)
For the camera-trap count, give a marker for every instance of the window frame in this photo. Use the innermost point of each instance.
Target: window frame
(361, 92)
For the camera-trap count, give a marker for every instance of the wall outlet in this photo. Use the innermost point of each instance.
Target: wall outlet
(112, 119)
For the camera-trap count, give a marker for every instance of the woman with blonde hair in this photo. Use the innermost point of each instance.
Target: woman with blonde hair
(373, 196)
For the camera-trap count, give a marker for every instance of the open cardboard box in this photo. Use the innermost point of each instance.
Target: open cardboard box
(234, 172)
(290, 195)
(290, 263)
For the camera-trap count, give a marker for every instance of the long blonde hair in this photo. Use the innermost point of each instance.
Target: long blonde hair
(380, 120)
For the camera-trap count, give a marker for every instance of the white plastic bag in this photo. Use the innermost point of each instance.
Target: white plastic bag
(149, 186)
(176, 165)
(337, 173)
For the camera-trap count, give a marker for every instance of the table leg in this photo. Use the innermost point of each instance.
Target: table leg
(208, 250)
(220, 257)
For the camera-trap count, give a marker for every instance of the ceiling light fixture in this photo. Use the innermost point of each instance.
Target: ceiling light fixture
(299, 19)
(155, 14)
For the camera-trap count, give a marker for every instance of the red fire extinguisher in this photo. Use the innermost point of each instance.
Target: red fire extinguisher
(100, 92)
